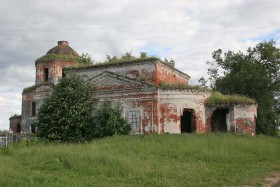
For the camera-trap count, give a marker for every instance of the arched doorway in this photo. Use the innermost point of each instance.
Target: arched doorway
(219, 120)
(188, 121)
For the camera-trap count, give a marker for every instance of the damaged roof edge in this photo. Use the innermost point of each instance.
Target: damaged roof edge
(31, 88)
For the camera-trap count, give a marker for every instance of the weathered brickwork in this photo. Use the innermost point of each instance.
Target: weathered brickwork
(169, 75)
(32, 100)
(132, 95)
(229, 118)
(136, 87)
(240, 118)
(54, 69)
(245, 119)
(15, 126)
(173, 102)
(150, 71)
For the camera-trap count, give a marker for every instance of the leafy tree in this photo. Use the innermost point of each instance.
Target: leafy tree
(170, 62)
(108, 121)
(256, 74)
(85, 59)
(143, 55)
(111, 59)
(202, 82)
(128, 56)
(66, 114)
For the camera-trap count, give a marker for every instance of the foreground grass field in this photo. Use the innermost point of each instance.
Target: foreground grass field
(158, 160)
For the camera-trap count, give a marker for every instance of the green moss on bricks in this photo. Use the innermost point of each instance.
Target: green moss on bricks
(218, 98)
(51, 57)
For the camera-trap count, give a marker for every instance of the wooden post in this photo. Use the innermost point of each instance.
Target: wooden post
(6, 140)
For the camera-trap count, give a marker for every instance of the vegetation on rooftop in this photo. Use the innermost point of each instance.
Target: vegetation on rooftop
(50, 57)
(126, 58)
(84, 59)
(218, 98)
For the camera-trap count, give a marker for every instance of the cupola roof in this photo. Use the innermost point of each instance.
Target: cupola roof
(63, 48)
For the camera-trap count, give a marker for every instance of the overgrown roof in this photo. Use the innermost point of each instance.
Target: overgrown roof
(63, 48)
(117, 62)
(120, 62)
(217, 98)
(60, 52)
(52, 57)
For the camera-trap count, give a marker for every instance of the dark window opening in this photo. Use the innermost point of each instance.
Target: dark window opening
(33, 109)
(219, 120)
(46, 74)
(63, 73)
(33, 129)
(188, 121)
(18, 128)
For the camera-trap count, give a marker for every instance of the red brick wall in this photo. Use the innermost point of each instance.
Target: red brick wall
(169, 75)
(55, 70)
(15, 124)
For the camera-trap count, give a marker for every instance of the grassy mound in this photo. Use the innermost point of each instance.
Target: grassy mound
(156, 160)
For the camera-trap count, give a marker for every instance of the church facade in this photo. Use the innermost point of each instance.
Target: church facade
(146, 89)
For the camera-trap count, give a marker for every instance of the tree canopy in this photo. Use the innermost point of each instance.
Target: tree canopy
(85, 59)
(65, 114)
(254, 73)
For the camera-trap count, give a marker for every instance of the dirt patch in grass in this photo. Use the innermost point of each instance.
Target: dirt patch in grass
(273, 180)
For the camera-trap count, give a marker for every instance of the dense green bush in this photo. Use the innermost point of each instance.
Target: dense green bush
(66, 113)
(69, 114)
(108, 121)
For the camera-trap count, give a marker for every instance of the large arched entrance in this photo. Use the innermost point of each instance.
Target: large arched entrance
(219, 120)
(188, 121)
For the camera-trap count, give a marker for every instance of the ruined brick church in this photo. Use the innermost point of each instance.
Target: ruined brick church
(137, 85)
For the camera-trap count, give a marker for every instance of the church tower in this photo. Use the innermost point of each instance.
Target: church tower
(49, 69)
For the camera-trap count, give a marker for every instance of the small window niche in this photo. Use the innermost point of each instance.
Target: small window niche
(46, 74)
(33, 109)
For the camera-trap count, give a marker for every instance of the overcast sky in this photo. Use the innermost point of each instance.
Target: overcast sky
(186, 31)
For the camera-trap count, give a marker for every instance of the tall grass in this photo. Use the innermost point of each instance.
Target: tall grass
(156, 160)
(218, 98)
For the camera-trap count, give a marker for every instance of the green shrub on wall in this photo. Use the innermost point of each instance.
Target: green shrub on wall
(108, 121)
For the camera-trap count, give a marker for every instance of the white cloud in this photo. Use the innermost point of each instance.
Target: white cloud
(184, 30)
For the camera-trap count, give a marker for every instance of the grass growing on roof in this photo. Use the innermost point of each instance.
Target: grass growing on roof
(51, 57)
(155, 160)
(218, 98)
(118, 61)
